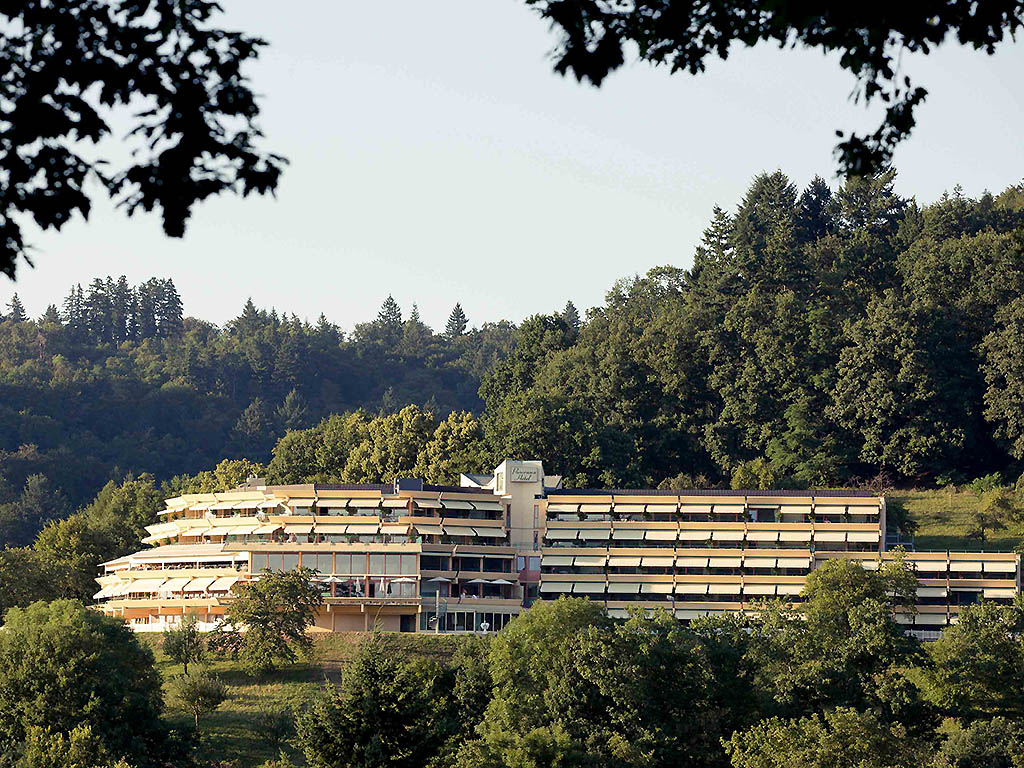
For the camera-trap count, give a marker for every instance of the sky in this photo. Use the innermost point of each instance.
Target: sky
(435, 156)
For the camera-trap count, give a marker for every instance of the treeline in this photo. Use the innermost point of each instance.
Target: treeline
(118, 382)
(835, 683)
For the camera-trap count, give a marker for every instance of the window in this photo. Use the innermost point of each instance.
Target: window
(343, 563)
(409, 564)
(393, 564)
(290, 561)
(434, 563)
(520, 563)
(377, 564)
(323, 564)
(259, 562)
(534, 563)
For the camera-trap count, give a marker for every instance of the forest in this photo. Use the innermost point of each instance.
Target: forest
(821, 337)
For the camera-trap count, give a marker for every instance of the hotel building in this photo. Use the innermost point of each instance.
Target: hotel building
(416, 557)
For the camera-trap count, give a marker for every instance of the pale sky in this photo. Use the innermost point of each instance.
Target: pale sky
(436, 156)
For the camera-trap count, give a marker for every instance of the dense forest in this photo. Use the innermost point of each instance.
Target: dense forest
(820, 338)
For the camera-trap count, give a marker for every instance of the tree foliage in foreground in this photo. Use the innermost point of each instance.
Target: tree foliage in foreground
(595, 37)
(65, 669)
(73, 68)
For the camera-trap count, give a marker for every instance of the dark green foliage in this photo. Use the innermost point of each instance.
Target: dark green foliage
(198, 692)
(598, 38)
(75, 69)
(183, 644)
(456, 322)
(63, 666)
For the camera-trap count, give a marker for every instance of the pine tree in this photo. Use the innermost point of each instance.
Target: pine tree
(98, 311)
(249, 321)
(293, 413)
(145, 312)
(74, 314)
(456, 322)
(120, 308)
(169, 314)
(51, 316)
(571, 316)
(17, 310)
(389, 320)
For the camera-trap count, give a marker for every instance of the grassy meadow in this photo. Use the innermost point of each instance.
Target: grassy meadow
(944, 520)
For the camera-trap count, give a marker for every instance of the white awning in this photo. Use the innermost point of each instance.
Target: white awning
(556, 586)
(725, 562)
(662, 534)
(627, 534)
(759, 562)
(430, 530)
(301, 503)
(623, 589)
(727, 535)
(829, 509)
(868, 536)
(795, 535)
(221, 505)
(686, 613)
(174, 585)
(872, 565)
(144, 585)
(488, 506)
(363, 529)
(794, 562)
(395, 503)
(629, 509)
(795, 509)
(364, 503)
(490, 533)
(269, 504)
(695, 509)
(662, 509)
(596, 509)
(729, 509)
(561, 507)
(789, 589)
(590, 560)
(264, 530)
(691, 589)
(331, 529)
(394, 529)
(930, 619)
(299, 529)
(618, 561)
(588, 588)
(428, 503)
(686, 534)
(459, 530)
(247, 504)
(762, 535)
(658, 562)
(223, 584)
(617, 613)
(199, 585)
(456, 504)
(691, 562)
(724, 589)
(657, 588)
(595, 534)
(999, 592)
(107, 591)
(1000, 566)
(556, 560)
(830, 535)
(561, 533)
(931, 591)
(759, 589)
(965, 565)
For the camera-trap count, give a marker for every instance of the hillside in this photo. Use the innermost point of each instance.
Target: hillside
(945, 520)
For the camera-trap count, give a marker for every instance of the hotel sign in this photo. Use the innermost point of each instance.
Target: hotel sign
(523, 474)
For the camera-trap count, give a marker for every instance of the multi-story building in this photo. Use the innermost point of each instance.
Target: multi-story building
(416, 557)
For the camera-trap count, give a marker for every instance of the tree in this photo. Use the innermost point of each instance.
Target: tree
(199, 693)
(183, 643)
(978, 663)
(24, 578)
(595, 38)
(293, 413)
(267, 619)
(456, 446)
(456, 323)
(393, 445)
(17, 310)
(572, 316)
(47, 748)
(190, 141)
(1003, 369)
(995, 743)
(63, 666)
(387, 712)
(840, 737)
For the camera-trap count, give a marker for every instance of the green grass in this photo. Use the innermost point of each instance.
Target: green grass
(944, 520)
(233, 732)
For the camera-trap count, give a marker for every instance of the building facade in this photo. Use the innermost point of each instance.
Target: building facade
(415, 557)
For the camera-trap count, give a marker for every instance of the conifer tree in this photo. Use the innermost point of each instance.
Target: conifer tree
(17, 310)
(456, 322)
(571, 316)
(168, 310)
(389, 320)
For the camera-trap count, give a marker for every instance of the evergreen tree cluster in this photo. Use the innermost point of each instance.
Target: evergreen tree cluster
(112, 311)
